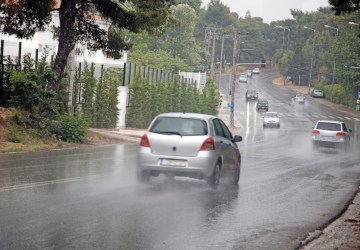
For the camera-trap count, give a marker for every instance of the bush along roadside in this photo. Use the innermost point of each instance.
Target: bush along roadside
(338, 93)
(150, 99)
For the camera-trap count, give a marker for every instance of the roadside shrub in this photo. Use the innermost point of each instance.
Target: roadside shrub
(17, 119)
(13, 136)
(71, 128)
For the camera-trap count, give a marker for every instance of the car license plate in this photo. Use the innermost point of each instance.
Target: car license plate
(173, 163)
(327, 138)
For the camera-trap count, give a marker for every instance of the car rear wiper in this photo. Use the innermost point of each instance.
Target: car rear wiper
(168, 132)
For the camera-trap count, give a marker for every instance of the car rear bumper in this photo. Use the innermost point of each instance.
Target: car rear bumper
(329, 144)
(271, 124)
(251, 98)
(200, 166)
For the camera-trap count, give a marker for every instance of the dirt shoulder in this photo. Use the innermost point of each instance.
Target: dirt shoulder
(341, 234)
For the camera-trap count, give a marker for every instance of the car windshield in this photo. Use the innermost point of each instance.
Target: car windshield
(329, 126)
(251, 92)
(318, 91)
(180, 126)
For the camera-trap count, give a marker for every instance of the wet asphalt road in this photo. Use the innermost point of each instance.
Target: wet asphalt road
(89, 198)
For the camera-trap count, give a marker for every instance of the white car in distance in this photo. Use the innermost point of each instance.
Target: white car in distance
(271, 119)
(243, 78)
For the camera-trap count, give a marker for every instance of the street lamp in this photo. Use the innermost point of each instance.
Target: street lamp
(312, 56)
(352, 23)
(333, 74)
(288, 35)
(281, 27)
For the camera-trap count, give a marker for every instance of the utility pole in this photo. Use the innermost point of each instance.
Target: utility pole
(213, 55)
(221, 57)
(312, 57)
(233, 82)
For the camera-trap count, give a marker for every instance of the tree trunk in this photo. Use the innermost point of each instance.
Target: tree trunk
(67, 40)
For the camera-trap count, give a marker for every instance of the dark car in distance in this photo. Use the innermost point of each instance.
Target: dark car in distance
(251, 95)
(262, 104)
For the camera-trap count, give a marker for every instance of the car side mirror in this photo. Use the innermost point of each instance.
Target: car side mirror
(237, 138)
(350, 130)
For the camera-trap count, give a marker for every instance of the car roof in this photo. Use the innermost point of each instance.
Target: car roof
(251, 90)
(271, 113)
(188, 115)
(262, 100)
(330, 121)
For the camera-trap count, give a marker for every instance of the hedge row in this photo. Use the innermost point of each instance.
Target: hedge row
(148, 100)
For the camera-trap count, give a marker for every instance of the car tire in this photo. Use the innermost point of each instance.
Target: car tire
(234, 176)
(143, 176)
(214, 179)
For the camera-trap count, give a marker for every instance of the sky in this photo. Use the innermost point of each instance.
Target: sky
(271, 10)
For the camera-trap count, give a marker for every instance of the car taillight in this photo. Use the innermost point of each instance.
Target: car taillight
(209, 144)
(340, 134)
(315, 132)
(144, 142)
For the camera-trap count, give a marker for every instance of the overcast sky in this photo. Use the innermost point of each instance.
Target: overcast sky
(271, 10)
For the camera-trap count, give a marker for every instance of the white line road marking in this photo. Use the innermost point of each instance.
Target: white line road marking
(51, 182)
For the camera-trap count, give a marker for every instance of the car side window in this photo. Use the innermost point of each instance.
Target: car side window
(227, 132)
(218, 128)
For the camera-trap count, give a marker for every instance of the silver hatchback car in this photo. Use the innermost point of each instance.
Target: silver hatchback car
(332, 134)
(192, 145)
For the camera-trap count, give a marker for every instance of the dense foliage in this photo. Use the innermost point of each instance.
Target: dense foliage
(170, 37)
(148, 100)
(71, 128)
(77, 19)
(48, 114)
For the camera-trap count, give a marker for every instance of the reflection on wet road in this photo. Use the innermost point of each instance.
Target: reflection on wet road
(89, 198)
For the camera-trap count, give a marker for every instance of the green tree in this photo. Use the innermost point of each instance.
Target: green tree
(23, 18)
(88, 83)
(101, 119)
(179, 40)
(137, 115)
(345, 6)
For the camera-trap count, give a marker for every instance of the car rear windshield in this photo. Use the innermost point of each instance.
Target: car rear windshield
(271, 115)
(329, 126)
(180, 126)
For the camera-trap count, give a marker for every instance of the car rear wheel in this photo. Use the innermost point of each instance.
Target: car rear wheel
(234, 176)
(214, 179)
